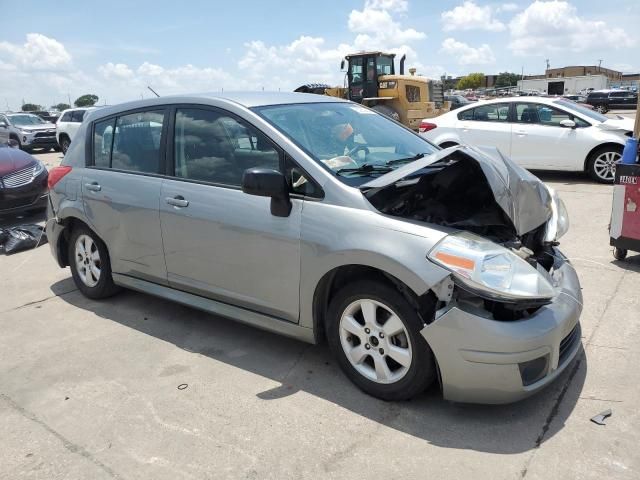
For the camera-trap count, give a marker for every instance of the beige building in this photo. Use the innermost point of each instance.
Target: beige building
(579, 71)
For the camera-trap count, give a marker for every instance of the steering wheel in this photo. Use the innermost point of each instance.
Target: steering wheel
(357, 148)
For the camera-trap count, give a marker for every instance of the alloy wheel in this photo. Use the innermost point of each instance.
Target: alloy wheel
(604, 165)
(375, 341)
(87, 257)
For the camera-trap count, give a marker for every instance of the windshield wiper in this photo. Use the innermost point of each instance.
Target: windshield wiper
(365, 168)
(417, 156)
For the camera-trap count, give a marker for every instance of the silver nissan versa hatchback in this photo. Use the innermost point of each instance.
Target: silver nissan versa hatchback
(318, 218)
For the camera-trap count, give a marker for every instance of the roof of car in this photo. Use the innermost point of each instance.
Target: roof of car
(246, 99)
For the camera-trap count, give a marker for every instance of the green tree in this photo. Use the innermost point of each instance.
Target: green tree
(31, 107)
(60, 106)
(473, 80)
(507, 79)
(87, 100)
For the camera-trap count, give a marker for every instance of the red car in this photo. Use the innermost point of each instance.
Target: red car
(23, 181)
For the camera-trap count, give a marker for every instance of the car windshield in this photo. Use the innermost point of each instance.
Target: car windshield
(592, 114)
(352, 141)
(25, 120)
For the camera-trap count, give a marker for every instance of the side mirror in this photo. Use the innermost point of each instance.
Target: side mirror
(342, 64)
(265, 182)
(568, 124)
(3, 124)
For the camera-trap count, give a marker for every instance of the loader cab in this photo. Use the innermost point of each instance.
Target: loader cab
(363, 72)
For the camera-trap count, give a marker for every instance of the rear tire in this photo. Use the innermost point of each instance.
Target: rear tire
(64, 144)
(388, 111)
(601, 163)
(90, 264)
(374, 333)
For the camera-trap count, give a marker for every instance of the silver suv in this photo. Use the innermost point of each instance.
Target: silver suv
(319, 218)
(29, 131)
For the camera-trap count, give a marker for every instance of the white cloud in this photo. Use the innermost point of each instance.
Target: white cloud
(37, 53)
(507, 7)
(552, 26)
(390, 5)
(470, 16)
(117, 70)
(43, 71)
(311, 59)
(467, 55)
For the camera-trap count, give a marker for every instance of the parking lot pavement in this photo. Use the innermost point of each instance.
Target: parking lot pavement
(90, 389)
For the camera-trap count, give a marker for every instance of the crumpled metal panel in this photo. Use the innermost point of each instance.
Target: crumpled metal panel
(522, 196)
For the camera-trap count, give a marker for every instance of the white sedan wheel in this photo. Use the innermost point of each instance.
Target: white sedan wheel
(604, 165)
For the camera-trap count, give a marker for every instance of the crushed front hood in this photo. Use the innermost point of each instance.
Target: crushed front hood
(523, 197)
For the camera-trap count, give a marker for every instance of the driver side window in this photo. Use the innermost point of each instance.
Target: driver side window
(212, 146)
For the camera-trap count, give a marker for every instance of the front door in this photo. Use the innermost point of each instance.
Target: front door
(220, 242)
(121, 192)
(539, 140)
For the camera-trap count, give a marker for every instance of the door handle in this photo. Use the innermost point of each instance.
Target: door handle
(177, 201)
(522, 133)
(94, 186)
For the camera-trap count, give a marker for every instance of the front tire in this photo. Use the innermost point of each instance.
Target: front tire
(90, 264)
(601, 164)
(601, 109)
(374, 333)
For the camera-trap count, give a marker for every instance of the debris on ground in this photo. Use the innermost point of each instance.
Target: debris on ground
(22, 237)
(599, 419)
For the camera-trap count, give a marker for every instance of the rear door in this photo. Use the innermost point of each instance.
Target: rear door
(486, 126)
(121, 191)
(220, 242)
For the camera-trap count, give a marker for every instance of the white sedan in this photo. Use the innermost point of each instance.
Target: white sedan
(537, 133)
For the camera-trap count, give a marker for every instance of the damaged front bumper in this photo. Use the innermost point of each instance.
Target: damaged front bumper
(483, 360)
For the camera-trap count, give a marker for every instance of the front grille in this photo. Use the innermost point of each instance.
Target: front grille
(45, 135)
(19, 178)
(568, 342)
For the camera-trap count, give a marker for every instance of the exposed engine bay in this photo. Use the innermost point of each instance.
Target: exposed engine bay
(456, 192)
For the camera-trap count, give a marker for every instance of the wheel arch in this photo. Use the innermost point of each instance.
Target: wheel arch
(70, 223)
(336, 278)
(618, 146)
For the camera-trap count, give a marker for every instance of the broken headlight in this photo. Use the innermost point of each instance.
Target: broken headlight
(558, 224)
(490, 270)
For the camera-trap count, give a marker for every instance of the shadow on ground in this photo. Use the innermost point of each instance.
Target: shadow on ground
(566, 178)
(297, 367)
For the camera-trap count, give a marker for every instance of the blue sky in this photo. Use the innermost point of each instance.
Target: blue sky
(114, 49)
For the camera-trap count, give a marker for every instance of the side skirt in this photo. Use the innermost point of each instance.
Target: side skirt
(258, 320)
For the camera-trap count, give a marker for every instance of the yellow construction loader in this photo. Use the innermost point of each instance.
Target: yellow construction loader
(371, 80)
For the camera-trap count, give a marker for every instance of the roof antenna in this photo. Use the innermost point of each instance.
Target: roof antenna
(155, 93)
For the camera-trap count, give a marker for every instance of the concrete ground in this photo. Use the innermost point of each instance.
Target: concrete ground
(90, 389)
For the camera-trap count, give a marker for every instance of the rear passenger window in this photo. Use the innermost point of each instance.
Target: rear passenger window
(136, 144)
(213, 147)
(102, 141)
(129, 142)
(496, 112)
(77, 116)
